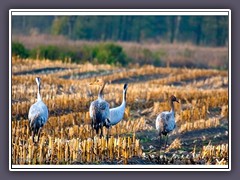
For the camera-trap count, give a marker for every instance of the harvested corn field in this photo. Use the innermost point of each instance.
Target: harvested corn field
(200, 137)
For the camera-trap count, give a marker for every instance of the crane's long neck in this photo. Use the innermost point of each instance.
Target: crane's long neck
(116, 114)
(124, 97)
(100, 93)
(38, 94)
(172, 107)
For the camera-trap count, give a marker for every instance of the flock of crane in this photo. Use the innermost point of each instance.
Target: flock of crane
(100, 113)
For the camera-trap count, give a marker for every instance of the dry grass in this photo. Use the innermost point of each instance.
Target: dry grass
(52, 150)
(171, 54)
(66, 138)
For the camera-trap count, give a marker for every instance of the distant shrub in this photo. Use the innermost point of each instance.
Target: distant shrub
(147, 55)
(106, 53)
(53, 53)
(158, 56)
(46, 52)
(18, 49)
(109, 53)
(150, 57)
(85, 53)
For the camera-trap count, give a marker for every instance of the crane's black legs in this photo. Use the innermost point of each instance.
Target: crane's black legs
(97, 130)
(101, 131)
(166, 141)
(160, 139)
(33, 134)
(39, 132)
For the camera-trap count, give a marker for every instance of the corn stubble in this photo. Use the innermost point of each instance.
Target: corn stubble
(74, 145)
(54, 150)
(66, 138)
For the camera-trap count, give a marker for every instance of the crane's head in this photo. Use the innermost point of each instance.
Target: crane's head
(173, 98)
(125, 86)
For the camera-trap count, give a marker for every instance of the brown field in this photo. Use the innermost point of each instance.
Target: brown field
(201, 136)
(176, 54)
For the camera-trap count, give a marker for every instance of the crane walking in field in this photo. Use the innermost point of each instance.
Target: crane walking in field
(165, 121)
(38, 114)
(99, 109)
(117, 113)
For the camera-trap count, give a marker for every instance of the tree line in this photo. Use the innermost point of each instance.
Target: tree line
(198, 30)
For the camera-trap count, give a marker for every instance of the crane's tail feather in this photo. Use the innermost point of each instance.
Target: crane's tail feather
(33, 121)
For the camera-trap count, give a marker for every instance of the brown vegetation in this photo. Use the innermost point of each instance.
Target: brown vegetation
(66, 138)
(174, 55)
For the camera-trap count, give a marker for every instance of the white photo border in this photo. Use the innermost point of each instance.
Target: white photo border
(115, 12)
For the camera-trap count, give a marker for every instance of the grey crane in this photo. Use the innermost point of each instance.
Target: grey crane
(117, 113)
(38, 114)
(99, 109)
(165, 121)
